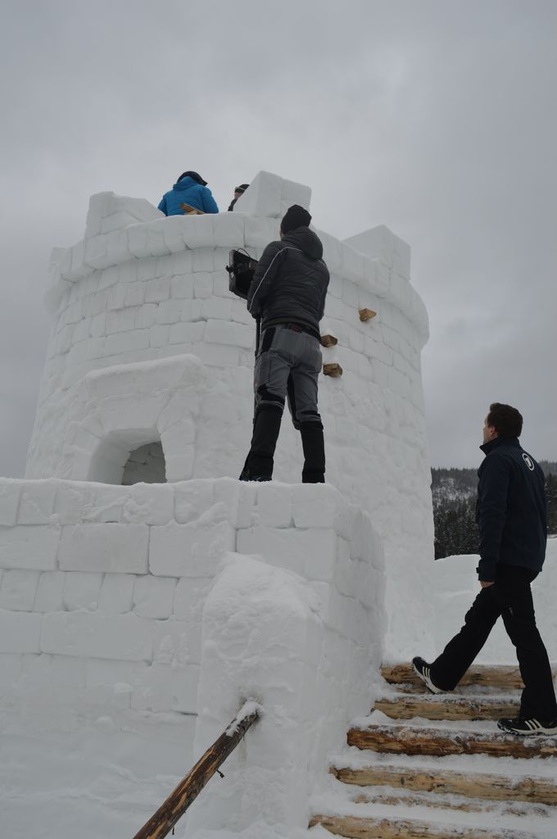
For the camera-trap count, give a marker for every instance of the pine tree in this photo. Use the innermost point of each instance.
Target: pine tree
(551, 492)
(454, 509)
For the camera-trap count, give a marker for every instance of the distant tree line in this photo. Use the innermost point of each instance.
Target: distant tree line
(454, 508)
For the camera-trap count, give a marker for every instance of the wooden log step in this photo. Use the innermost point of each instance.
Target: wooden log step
(487, 787)
(463, 805)
(504, 677)
(437, 741)
(446, 707)
(353, 827)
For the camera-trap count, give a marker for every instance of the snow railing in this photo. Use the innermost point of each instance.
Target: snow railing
(161, 823)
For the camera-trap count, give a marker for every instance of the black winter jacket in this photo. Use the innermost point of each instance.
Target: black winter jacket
(290, 282)
(511, 509)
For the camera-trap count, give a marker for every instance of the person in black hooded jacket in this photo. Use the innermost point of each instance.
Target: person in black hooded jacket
(287, 296)
(511, 515)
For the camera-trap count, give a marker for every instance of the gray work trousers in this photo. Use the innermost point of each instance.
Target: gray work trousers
(287, 366)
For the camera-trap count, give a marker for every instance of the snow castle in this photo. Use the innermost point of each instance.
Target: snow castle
(138, 576)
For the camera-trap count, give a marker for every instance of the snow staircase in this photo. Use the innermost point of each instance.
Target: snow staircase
(424, 765)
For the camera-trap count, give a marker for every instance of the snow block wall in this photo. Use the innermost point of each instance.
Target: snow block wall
(150, 349)
(113, 601)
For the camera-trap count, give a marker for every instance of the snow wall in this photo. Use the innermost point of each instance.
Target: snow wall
(142, 292)
(171, 602)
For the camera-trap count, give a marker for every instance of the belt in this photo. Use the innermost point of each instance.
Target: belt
(295, 327)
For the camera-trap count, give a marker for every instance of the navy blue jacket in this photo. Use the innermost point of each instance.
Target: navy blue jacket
(188, 191)
(290, 282)
(511, 509)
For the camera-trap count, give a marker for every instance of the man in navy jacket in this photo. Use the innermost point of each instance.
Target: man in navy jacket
(511, 517)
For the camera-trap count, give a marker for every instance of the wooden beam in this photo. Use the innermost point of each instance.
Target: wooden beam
(353, 827)
(446, 707)
(162, 822)
(433, 741)
(471, 785)
(496, 676)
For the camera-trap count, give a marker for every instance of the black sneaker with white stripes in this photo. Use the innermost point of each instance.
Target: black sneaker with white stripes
(527, 727)
(422, 668)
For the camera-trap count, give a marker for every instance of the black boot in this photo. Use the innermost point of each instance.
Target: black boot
(259, 462)
(313, 444)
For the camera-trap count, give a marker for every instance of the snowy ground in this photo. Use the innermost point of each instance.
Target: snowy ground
(104, 776)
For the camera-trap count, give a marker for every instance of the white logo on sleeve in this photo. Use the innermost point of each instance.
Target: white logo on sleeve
(528, 461)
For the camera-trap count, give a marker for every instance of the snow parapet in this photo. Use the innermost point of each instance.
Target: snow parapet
(190, 598)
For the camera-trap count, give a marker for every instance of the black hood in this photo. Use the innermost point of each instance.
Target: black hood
(306, 240)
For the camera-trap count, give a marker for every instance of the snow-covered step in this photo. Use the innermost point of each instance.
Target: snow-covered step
(394, 827)
(530, 788)
(437, 766)
(448, 706)
(456, 803)
(416, 739)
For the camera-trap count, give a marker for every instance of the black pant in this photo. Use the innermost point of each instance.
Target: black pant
(511, 598)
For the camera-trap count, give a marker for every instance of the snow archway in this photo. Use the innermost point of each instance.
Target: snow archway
(128, 457)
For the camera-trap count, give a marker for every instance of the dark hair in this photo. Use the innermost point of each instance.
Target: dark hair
(195, 175)
(505, 419)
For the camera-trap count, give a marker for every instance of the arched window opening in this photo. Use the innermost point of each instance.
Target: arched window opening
(145, 464)
(129, 457)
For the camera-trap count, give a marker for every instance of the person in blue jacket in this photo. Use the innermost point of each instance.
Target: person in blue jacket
(511, 516)
(191, 190)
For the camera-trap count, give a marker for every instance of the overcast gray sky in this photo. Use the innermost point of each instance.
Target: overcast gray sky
(437, 118)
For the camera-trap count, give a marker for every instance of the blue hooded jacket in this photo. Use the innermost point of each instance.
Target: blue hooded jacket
(187, 191)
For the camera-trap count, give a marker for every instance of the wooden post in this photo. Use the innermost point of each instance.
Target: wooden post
(162, 822)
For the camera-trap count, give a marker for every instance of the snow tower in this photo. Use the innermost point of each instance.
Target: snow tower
(137, 571)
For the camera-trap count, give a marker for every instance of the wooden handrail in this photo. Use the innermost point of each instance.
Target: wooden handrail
(161, 823)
